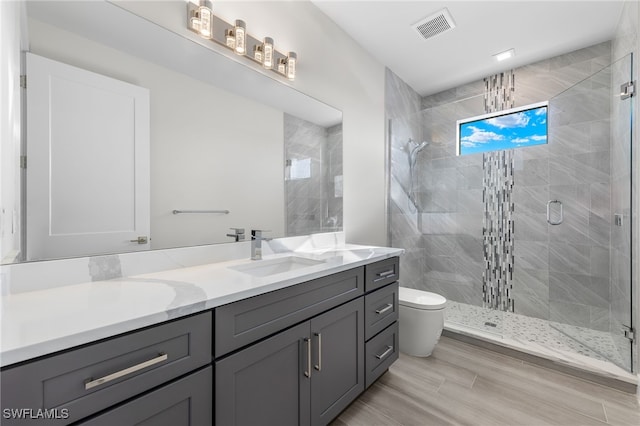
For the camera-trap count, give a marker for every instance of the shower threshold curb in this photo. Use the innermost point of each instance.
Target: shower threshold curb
(574, 365)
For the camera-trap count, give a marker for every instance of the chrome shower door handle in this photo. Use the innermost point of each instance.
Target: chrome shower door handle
(551, 222)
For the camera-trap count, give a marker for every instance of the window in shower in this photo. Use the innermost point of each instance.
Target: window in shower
(507, 129)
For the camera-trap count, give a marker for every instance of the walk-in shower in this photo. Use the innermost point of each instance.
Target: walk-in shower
(571, 209)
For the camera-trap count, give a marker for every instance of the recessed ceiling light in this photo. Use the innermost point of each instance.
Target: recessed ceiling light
(505, 55)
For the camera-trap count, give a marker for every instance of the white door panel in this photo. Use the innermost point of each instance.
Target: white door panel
(88, 162)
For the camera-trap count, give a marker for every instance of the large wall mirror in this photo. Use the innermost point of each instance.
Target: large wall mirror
(229, 146)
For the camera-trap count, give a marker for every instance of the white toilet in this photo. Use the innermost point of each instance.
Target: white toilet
(421, 321)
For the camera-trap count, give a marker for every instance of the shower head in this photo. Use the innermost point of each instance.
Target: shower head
(420, 147)
(417, 148)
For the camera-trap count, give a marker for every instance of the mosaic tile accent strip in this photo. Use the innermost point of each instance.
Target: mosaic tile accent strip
(499, 91)
(498, 231)
(497, 222)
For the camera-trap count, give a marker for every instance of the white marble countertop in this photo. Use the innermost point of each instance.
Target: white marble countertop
(41, 322)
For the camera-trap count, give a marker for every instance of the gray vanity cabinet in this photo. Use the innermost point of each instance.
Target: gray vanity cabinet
(304, 375)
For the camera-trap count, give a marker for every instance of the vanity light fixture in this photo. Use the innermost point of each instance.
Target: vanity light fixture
(240, 32)
(505, 55)
(201, 20)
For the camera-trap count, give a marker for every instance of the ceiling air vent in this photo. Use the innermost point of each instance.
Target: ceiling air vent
(435, 24)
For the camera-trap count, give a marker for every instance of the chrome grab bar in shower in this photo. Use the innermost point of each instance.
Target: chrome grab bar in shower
(551, 222)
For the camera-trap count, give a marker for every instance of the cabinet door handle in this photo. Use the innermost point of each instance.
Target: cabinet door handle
(386, 274)
(89, 384)
(385, 353)
(307, 372)
(385, 309)
(319, 365)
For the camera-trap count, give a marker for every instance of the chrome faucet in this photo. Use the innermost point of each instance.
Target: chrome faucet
(256, 243)
(238, 234)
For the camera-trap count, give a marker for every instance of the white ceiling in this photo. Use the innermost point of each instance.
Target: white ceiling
(535, 29)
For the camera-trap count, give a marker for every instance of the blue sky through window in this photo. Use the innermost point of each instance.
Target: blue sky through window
(512, 130)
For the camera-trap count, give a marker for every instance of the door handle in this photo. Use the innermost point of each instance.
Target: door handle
(140, 240)
(319, 365)
(551, 222)
(307, 372)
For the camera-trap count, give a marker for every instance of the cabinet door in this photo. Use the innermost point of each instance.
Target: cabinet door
(337, 377)
(267, 383)
(185, 402)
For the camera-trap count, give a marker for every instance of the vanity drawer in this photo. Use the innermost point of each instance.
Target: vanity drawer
(90, 378)
(185, 402)
(380, 309)
(246, 321)
(381, 352)
(382, 273)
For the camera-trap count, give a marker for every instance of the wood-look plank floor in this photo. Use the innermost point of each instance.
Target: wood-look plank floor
(462, 384)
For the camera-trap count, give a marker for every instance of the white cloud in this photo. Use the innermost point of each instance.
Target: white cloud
(541, 111)
(509, 121)
(481, 136)
(520, 140)
(539, 137)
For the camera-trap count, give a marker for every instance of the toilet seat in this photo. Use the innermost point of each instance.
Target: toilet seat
(419, 299)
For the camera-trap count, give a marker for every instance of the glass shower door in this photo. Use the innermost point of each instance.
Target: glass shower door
(589, 214)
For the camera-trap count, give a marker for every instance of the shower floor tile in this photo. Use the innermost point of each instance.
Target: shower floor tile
(590, 349)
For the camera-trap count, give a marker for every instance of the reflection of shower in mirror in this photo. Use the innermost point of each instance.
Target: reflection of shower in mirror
(413, 149)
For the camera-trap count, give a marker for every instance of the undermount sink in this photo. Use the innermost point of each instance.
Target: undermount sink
(264, 268)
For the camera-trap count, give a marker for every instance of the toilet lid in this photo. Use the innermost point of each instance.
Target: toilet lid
(419, 299)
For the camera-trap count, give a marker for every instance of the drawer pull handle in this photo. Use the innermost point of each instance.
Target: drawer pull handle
(319, 365)
(386, 274)
(97, 382)
(385, 353)
(307, 372)
(385, 309)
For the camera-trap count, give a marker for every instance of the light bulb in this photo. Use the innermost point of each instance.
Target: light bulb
(240, 32)
(291, 65)
(205, 16)
(230, 39)
(267, 50)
